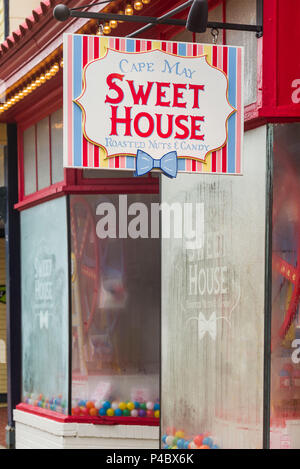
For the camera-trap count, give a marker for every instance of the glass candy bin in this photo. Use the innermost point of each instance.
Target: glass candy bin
(91, 307)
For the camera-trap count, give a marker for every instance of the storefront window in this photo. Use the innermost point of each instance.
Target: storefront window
(213, 274)
(43, 153)
(116, 309)
(45, 306)
(285, 361)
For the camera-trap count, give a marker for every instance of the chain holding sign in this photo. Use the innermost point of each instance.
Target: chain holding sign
(127, 97)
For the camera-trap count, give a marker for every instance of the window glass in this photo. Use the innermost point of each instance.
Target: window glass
(213, 275)
(43, 151)
(244, 12)
(285, 351)
(29, 160)
(57, 146)
(116, 310)
(45, 310)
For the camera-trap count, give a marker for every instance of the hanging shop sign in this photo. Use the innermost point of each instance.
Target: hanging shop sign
(152, 105)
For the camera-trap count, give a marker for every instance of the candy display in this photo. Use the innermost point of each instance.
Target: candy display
(116, 409)
(177, 439)
(85, 408)
(56, 404)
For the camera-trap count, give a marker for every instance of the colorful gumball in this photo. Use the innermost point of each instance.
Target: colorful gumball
(115, 405)
(169, 440)
(179, 434)
(75, 411)
(143, 406)
(207, 442)
(150, 414)
(122, 406)
(118, 413)
(110, 412)
(186, 444)
(164, 438)
(142, 413)
(106, 405)
(136, 405)
(134, 413)
(204, 447)
(102, 412)
(93, 412)
(215, 447)
(130, 406)
(157, 414)
(84, 411)
(126, 413)
(90, 405)
(98, 405)
(198, 440)
(180, 443)
(150, 405)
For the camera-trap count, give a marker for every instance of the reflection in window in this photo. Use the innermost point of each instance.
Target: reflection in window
(285, 359)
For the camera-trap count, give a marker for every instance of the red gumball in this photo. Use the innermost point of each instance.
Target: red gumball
(84, 412)
(76, 412)
(150, 414)
(198, 440)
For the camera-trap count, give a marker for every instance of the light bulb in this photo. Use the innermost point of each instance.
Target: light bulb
(138, 5)
(113, 24)
(106, 29)
(129, 10)
(146, 2)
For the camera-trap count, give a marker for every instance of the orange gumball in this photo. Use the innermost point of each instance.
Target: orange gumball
(204, 447)
(90, 405)
(93, 412)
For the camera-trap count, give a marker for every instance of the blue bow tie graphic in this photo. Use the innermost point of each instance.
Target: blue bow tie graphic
(145, 163)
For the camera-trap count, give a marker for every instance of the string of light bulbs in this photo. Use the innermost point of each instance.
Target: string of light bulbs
(40, 79)
(137, 5)
(30, 87)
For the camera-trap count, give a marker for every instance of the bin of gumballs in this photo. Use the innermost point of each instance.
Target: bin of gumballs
(55, 404)
(178, 439)
(82, 408)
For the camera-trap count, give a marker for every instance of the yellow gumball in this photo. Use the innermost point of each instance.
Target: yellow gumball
(130, 406)
(179, 434)
(122, 406)
(157, 414)
(110, 412)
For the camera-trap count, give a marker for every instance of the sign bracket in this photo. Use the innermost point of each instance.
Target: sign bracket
(62, 13)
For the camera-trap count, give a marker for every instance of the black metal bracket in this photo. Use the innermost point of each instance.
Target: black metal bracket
(62, 13)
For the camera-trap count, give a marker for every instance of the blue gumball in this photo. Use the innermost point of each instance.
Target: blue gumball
(81, 403)
(106, 405)
(102, 412)
(208, 442)
(164, 438)
(118, 413)
(215, 447)
(180, 443)
(156, 407)
(186, 444)
(136, 405)
(165, 447)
